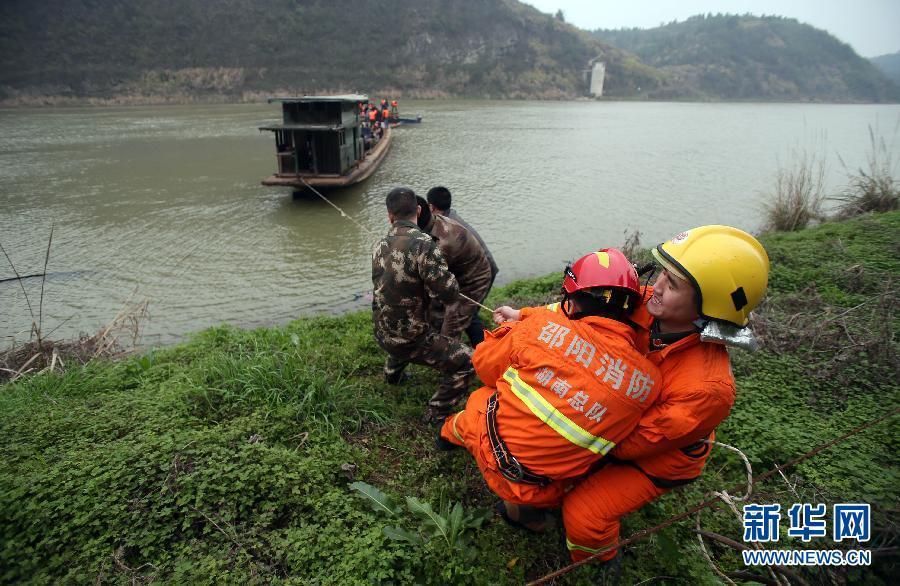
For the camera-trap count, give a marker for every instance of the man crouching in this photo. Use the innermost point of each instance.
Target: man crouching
(563, 386)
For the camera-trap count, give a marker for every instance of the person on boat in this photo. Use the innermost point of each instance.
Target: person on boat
(373, 116)
(562, 388)
(395, 110)
(712, 278)
(408, 273)
(385, 115)
(440, 202)
(467, 261)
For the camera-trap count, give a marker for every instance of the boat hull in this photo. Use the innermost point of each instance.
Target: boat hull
(362, 171)
(404, 121)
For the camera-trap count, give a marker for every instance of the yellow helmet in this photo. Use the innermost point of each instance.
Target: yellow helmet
(728, 268)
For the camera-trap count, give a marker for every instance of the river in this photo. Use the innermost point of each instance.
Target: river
(164, 203)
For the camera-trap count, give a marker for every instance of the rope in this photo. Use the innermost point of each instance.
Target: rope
(730, 501)
(467, 298)
(709, 559)
(345, 215)
(340, 211)
(709, 502)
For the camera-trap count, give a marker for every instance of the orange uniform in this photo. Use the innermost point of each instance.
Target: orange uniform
(665, 449)
(564, 391)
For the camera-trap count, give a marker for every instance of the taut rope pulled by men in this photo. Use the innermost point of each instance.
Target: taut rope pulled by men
(374, 234)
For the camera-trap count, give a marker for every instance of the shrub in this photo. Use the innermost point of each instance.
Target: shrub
(798, 197)
(872, 189)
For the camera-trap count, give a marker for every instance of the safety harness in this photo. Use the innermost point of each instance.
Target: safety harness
(509, 467)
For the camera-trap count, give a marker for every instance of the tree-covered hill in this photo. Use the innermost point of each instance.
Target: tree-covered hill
(182, 50)
(889, 65)
(750, 57)
(108, 48)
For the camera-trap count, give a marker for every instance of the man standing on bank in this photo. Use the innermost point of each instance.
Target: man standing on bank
(409, 273)
(440, 203)
(467, 261)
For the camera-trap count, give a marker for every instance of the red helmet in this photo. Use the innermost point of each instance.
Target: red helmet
(607, 268)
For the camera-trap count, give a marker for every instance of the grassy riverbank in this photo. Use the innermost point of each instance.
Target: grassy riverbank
(229, 458)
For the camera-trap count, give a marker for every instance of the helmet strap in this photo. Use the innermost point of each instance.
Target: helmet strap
(566, 305)
(598, 304)
(644, 289)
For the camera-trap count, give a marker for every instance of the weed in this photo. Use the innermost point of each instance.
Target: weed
(798, 197)
(449, 523)
(41, 354)
(874, 189)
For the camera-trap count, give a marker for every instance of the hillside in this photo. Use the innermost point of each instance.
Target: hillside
(122, 51)
(176, 49)
(889, 65)
(230, 458)
(753, 58)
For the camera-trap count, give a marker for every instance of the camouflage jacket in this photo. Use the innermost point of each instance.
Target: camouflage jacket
(465, 256)
(408, 273)
(451, 213)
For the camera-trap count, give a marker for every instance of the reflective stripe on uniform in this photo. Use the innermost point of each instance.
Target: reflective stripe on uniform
(550, 415)
(455, 431)
(575, 546)
(553, 307)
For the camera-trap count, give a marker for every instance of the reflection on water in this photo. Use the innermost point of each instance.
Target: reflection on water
(166, 200)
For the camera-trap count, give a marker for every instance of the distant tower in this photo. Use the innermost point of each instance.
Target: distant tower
(598, 73)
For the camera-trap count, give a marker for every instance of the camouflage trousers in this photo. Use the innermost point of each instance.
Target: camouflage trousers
(455, 318)
(450, 357)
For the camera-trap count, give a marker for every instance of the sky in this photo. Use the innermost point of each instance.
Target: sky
(871, 27)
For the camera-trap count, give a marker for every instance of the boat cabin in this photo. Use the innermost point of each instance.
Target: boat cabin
(319, 135)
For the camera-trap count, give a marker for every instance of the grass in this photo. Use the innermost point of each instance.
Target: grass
(798, 198)
(873, 189)
(230, 458)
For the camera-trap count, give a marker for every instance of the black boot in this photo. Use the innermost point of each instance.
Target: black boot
(397, 378)
(531, 519)
(440, 443)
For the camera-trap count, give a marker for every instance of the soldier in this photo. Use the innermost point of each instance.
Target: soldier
(409, 274)
(467, 261)
(440, 202)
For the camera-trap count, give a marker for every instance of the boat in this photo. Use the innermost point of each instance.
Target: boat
(323, 144)
(402, 121)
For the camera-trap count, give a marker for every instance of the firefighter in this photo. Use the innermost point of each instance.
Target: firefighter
(712, 278)
(562, 388)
